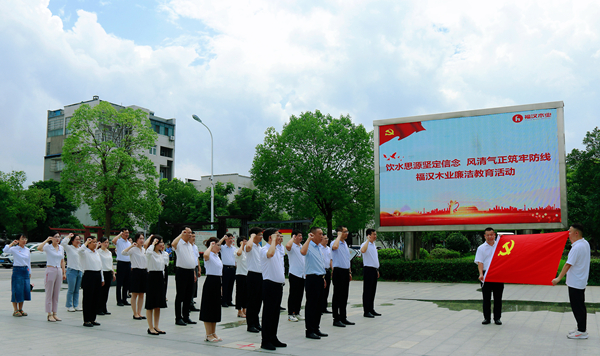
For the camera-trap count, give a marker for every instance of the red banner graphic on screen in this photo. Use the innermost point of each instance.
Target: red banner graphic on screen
(527, 259)
(401, 131)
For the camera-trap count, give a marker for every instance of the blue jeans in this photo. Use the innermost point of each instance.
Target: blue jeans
(74, 280)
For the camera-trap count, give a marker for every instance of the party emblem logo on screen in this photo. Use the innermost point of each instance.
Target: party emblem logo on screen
(517, 118)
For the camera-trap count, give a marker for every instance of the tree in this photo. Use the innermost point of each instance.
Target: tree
(22, 208)
(248, 202)
(458, 242)
(583, 190)
(61, 215)
(317, 163)
(105, 167)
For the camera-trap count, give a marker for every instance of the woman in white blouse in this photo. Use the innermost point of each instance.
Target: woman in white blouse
(55, 273)
(210, 306)
(155, 293)
(71, 244)
(108, 273)
(21, 274)
(139, 275)
(241, 270)
(92, 281)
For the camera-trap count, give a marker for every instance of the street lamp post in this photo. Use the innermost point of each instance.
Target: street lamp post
(212, 183)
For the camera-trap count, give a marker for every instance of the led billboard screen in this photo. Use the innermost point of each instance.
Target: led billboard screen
(502, 167)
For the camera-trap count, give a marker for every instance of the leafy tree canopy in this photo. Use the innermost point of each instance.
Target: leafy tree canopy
(61, 215)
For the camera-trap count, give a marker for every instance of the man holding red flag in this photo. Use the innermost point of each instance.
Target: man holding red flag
(483, 257)
(577, 269)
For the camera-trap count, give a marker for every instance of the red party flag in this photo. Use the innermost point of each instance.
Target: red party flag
(388, 132)
(527, 259)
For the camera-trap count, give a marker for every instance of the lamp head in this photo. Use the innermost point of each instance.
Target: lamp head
(195, 117)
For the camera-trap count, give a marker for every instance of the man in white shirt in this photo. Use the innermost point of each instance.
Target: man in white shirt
(197, 270)
(370, 273)
(483, 257)
(341, 277)
(185, 276)
(273, 280)
(295, 276)
(254, 279)
(121, 241)
(228, 257)
(577, 269)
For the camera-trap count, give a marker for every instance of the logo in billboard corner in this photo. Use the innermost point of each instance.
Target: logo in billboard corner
(527, 117)
(518, 118)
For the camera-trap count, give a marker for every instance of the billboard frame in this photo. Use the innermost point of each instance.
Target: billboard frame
(558, 105)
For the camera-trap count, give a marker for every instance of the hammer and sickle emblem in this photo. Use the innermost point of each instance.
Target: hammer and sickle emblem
(389, 132)
(506, 248)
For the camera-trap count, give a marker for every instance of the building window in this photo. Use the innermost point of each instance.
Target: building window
(153, 150)
(57, 165)
(166, 152)
(47, 148)
(53, 133)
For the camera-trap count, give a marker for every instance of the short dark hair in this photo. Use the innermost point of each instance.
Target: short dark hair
(296, 232)
(268, 232)
(370, 231)
(340, 228)
(137, 236)
(240, 239)
(23, 235)
(187, 227)
(229, 234)
(102, 239)
(578, 227)
(314, 228)
(124, 229)
(489, 229)
(255, 230)
(72, 238)
(155, 237)
(209, 240)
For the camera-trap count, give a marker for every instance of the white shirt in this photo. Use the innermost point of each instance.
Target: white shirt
(72, 254)
(138, 257)
(165, 256)
(90, 260)
(370, 258)
(281, 252)
(214, 266)
(254, 259)
(53, 257)
(296, 260)
(241, 264)
(326, 252)
(272, 269)
(154, 261)
(107, 260)
(196, 254)
(484, 254)
(228, 255)
(21, 256)
(341, 256)
(186, 257)
(122, 244)
(579, 259)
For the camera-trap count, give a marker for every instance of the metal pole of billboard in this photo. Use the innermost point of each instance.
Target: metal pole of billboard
(409, 245)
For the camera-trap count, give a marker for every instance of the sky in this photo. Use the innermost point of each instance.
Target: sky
(244, 66)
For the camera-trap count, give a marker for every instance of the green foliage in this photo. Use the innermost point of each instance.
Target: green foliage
(318, 164)
(444, 253)
(458, 242)
(248, 202)
(105, 167)
(423, 254)
(21, 209)
(429, 270)
(433, 238)
(390, 254)
(389, 239)
(61, 215)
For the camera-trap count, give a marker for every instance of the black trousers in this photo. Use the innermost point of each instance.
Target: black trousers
(103, 300)
(314, 300)
(296, 294)
(228, 282)
(195, 292)
(326, 291)
(369, 288)
(91, 282)
(123, 271)
(255, 288)
(341, 284)
(487, 290)
(166, 278)
(184, 285)
(241, 292)
(272, 293)
(577, 300)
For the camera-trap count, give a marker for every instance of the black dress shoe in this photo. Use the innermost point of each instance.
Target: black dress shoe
(151, 333)
(119, 304)
(339, 323)
(161, 332)
(231, 304)
(267, 346)
(312, 336)
(326, 311)
(278, 343)
(497, 322)
(281, 308)
(189, 321)
(193, 308)
(180, 322)
(95, 323)
(485, 321)
(258, 327)
(375, 313)
(88, 324)
(137, 317)
(253, 329)
(143, 317)
(107, 313)
(321, 334)
(100, 313)
(346, 322)
(368, 315)
(225, 305)
(126, 303)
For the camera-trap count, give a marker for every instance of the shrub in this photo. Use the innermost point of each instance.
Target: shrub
(444, 253)
(458, 242)
(423, 254)
(390, 254)
(429, 270)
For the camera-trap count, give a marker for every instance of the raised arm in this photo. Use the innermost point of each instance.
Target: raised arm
(116, 238)
(65, 242)
(206, 254)
(222, 240)
(272, 249)
(250, 242)
(288, 245)
(147, 242)
(363, 248)
(336, 243)
(126, 251)
(241, 249)
(304, 249)
(40, 247)
(176, 241)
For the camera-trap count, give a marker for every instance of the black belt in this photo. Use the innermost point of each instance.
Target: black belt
(226, 266)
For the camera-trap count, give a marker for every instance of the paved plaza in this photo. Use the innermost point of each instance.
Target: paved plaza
(418, 319)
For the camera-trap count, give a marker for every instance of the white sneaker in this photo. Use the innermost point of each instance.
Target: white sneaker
(79, 308)
(299, 317)
(573, 331)
(71, 309)
(292, 318)
(578, 335)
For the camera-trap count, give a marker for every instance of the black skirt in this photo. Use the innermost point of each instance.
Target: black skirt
(210, 306)
(155, 293)
(137, 280)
